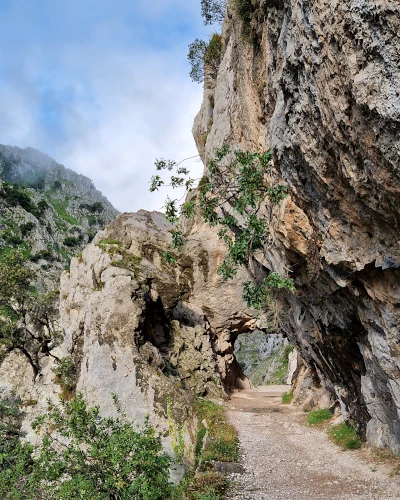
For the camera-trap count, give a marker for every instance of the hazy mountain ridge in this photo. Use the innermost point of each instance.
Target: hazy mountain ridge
(48, 211)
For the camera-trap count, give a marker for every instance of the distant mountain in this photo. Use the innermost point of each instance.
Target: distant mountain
(48, 211)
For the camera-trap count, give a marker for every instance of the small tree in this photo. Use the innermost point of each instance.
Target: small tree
(229, 196)
(27, 320)
(213, 11)
(202, 55)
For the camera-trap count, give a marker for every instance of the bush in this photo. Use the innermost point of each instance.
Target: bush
(18, 195)
(344, 436)
(318, 416)
(64, 371)
(15, 457)
(96, 457)
(95, 207)
(71, 241)
(102, 458)
(27, 228)
(43, 254)
(287, 397)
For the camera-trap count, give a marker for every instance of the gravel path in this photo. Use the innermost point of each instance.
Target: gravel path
(284, 458)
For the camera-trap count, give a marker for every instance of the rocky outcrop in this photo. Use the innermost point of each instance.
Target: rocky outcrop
(148, 332)
(318, 83)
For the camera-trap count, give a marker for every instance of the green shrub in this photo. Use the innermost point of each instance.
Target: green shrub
(344, 436)
(64, 371)
(19, 196)
(287, 397)
(15, 457)
(318, 416)
(98, 458)
(71, 241)
(27, 228)
(43, 254)
(95, 207)
(103, 458)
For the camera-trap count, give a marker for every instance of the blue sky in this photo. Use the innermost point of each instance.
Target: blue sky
(101, 86)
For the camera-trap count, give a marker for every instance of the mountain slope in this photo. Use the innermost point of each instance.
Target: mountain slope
(48, 211)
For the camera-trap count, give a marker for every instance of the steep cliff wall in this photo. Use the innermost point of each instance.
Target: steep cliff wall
(319, 83)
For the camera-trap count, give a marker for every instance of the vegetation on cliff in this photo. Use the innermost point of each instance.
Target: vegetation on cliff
(230, 197)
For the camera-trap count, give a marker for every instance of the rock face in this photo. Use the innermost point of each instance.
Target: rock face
(318, 83)
(149, 332)
(264, 357)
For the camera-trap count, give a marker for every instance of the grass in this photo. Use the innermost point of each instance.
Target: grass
(344, 436)
(220, 440)
(216, 440)
(60, 208)
(207, 486)
(316, 417)
(287, 397)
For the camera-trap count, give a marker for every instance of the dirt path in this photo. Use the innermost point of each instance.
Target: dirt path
(284, 458)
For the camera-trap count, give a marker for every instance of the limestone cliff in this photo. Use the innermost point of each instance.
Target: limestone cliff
(318, 83)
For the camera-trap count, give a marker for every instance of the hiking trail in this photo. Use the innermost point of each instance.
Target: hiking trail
(283, 458)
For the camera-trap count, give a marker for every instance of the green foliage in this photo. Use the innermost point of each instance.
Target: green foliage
(64, 371)
(213, 11)
(205, 55)
(168, 257)
(19, 196)
(43, 254)
(245, 10)
(256, 295)
(177, 240)
(197, 50)
(102, 458)
(96, 207)
(15, 457)
(234, 189)
(221, 441)
(71, 241)
(287, 397)
(345, 436)
(27, 228)
(82, 456)
(27, 320)
(318, 416)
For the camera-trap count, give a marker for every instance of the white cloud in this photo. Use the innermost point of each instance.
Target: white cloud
(111, 99)
(144, 109)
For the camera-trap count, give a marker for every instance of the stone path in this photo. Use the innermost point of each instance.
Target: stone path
(285, 459)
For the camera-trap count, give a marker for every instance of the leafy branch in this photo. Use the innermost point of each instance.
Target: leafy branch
(230, 196)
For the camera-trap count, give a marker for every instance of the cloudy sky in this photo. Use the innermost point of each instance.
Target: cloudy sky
(101, 86)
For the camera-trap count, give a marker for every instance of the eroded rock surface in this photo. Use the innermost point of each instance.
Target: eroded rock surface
(318, 83)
